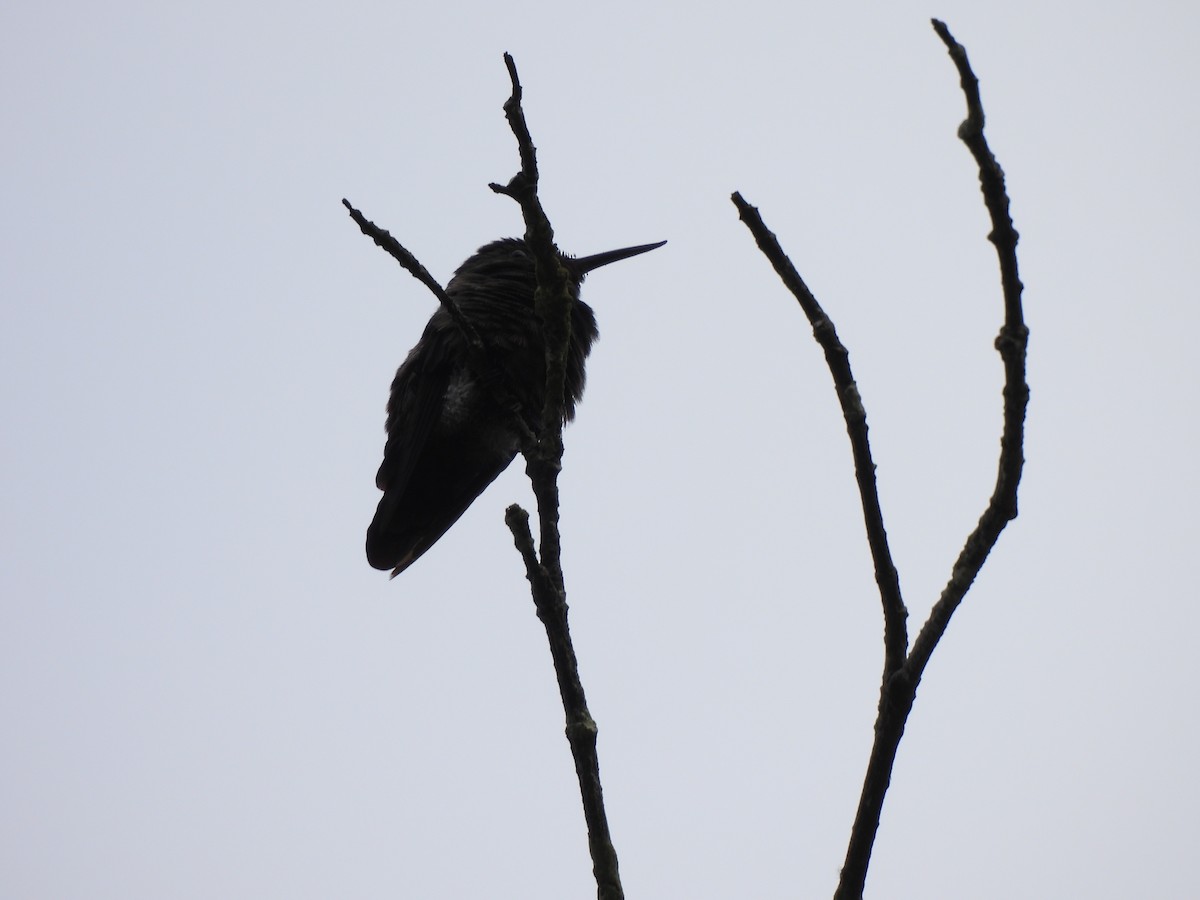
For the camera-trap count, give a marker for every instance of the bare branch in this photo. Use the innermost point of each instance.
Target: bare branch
(543, 462)
(491, 374)
(902, 671)
(581, 729)
(412, 265)
(552, 300)
(515, 114)
(838, 359)
(1012, 343)
(517, 520)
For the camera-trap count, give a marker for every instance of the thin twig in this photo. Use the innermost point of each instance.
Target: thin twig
(412, 265)
(838, 359)
(1011, 343)
(479, 354)
(551, 300)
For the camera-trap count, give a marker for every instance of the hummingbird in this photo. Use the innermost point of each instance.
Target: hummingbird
(448, 438)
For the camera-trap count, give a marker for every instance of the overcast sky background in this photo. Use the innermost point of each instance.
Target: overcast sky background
(206, 692)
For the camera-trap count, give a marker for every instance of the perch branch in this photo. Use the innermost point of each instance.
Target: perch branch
(543, 462)
(552, 301)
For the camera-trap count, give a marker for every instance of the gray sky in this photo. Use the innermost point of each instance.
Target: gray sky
(207, 693)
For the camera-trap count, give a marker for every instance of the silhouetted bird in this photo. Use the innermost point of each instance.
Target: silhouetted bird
(448, 438)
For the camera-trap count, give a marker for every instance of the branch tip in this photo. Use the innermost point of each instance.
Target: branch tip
(511, 65)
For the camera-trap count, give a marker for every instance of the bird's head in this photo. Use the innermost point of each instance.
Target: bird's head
(510, 259)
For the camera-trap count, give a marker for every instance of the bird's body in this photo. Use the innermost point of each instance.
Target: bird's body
(448, 437)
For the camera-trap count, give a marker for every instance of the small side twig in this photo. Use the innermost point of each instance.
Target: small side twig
(543, 462)
(412, 265)
(903, 670)
(490, 373)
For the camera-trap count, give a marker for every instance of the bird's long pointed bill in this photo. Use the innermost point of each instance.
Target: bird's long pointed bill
(585, 264)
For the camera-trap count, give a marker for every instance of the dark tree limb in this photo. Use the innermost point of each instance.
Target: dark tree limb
(552, 301)
(838, 359)
(903, 670)
(1011, 343)
(543, 462)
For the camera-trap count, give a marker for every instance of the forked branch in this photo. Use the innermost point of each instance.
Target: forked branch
(902, 670)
